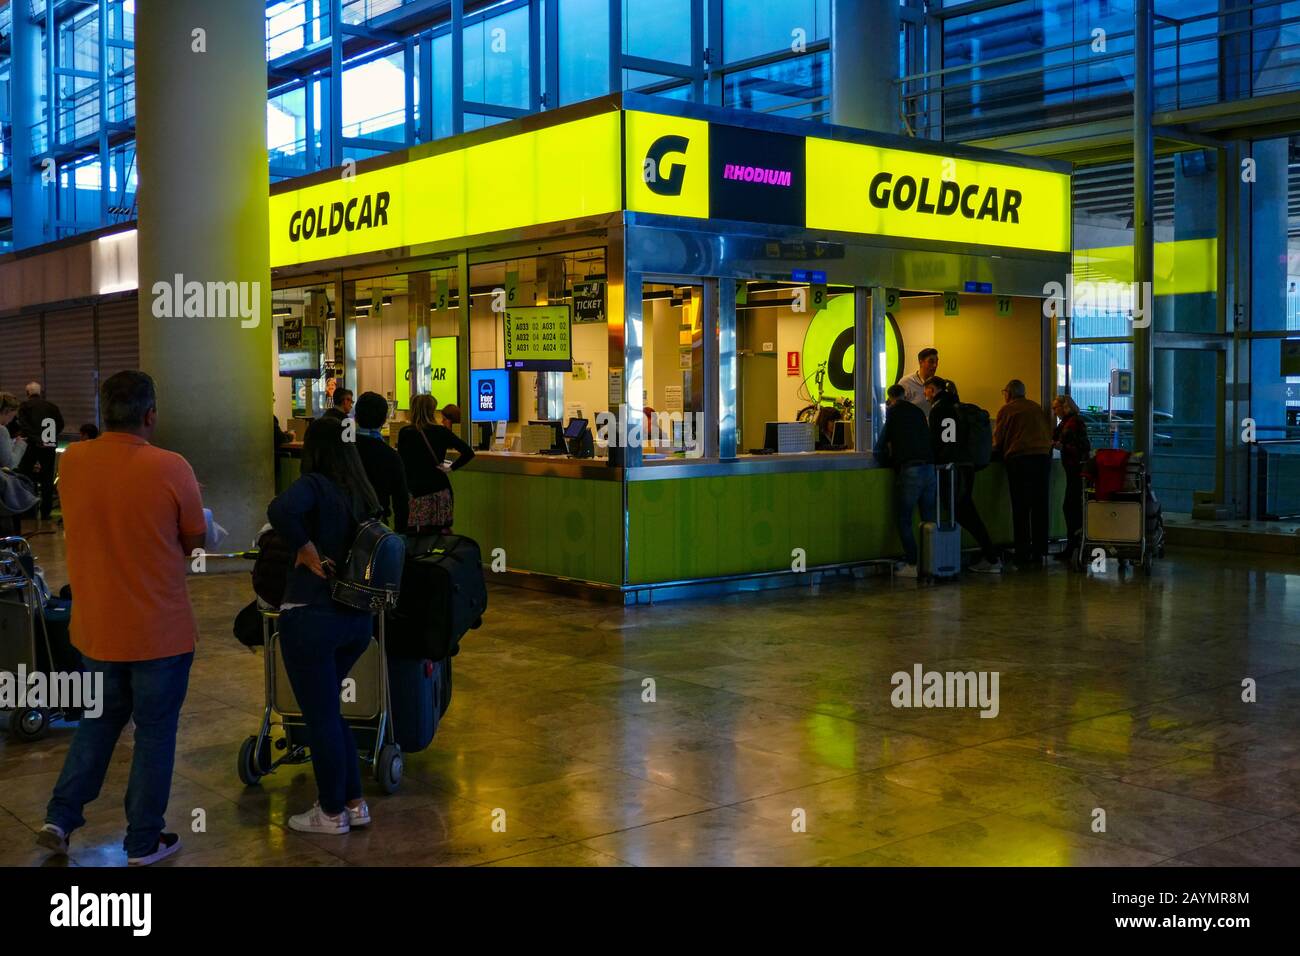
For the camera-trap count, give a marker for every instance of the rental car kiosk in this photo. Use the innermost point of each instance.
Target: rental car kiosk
(669, 327)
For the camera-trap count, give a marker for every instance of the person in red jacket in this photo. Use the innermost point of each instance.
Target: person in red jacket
(1071, 438)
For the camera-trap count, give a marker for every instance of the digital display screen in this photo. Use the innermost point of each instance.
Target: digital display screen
(575, 427)
(490, 393)
(537, 339)
(301, 360)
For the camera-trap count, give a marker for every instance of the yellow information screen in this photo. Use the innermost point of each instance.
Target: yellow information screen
(853, 187)
(568, 171)
(537, 339)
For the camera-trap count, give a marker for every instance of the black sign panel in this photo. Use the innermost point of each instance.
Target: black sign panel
(756, 176)
(589, 302)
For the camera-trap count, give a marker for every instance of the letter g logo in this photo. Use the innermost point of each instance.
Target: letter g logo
(670, 185)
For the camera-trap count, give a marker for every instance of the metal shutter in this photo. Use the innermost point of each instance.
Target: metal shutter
(70, 365)
(20, 353)
(119, 336)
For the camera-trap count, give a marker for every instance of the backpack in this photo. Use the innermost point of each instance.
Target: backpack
(371, 575)
(974, 435)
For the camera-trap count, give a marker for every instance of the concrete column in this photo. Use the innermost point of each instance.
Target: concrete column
(864, 64)
(1143, 216)
(201, 144)
(30, 202)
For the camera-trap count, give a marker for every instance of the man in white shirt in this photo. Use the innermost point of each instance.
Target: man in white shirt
(914, 384)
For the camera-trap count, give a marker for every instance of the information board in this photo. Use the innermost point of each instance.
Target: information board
(537, 339)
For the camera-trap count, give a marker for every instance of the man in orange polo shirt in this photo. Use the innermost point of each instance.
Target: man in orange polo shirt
(131, 514)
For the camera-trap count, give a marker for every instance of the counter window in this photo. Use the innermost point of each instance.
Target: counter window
(539, 353)
(795, 389)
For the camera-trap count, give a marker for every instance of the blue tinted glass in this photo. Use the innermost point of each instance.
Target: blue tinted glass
(658, 29)
(794, 88)
(374, 100)
(496, 60)
(754, 27)
(584, 49)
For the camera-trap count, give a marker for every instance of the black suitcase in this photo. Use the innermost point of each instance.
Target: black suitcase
(443, 595)
(418, 691)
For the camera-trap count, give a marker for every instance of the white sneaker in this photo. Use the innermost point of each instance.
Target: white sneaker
(52, 838)
(359, 816)
(317, 820)
(986, 567)
(905, 570)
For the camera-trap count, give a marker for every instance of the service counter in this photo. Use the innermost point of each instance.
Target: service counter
(623, 533)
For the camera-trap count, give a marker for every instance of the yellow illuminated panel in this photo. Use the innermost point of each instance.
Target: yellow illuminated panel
(556, 173)
(890, 192)
(1184, 266)
(667, 164)
(560, 172)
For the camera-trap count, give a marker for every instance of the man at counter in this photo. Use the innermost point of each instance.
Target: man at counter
(904, 445)
(381, 461)
(1022, 438)
(342, 404)
(914, 384)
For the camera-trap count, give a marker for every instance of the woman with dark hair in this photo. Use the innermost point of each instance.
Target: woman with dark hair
(320, 639)
(1071, 438)
(424, 445)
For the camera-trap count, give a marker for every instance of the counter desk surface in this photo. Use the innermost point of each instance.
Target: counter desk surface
(658, 469)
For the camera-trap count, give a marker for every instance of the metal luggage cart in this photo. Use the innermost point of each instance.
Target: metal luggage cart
(22, 631)
(1117, 523)
(369, 714)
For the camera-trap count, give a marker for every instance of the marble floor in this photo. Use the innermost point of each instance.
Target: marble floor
(1121, 736)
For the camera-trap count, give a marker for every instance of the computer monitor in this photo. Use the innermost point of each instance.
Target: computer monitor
(490, 399)
(579, 439)
(842, 436)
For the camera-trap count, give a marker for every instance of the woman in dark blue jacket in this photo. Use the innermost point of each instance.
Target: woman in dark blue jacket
(321, 639)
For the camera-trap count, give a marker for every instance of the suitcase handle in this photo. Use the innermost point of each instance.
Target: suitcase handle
(951, 470)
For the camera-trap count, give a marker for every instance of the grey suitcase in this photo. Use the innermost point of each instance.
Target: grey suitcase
(941, 540)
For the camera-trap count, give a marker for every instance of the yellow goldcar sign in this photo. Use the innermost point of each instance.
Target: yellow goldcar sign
(568, 171)
(853, 187)
(676, 166)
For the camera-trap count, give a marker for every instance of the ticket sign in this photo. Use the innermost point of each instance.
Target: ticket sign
(537, 339)
(589, 301)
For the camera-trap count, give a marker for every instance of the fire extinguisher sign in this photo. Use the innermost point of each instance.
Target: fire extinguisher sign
(792, 363)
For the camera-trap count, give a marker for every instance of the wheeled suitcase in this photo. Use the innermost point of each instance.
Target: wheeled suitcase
(418, 690)
(443, 595)
(941, 540)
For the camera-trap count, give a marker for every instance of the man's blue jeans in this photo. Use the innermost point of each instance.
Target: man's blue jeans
(151, 693)
(914, 485)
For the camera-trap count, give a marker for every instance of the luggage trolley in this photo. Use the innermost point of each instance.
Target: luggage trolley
(369, 713)
(1116, 494)
(24, 634)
